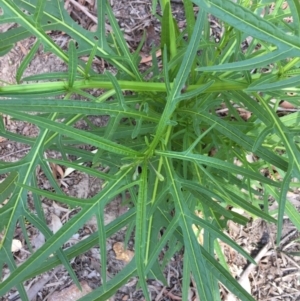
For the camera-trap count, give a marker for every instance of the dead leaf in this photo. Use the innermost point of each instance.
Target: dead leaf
(72, 293)
(287, 105)
(16, 245)
(152, 38)
(56, 223)
(59, 209)
(147, 59)
(38, 240)
(121, 253)
(57, 171)
(244, 114)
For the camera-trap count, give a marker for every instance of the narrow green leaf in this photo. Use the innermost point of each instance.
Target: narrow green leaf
(221, 256)
(191, 244)
(48, 76)
(102, 243)
(224, 276)
(217, 233)
(12, 266)
(62, 235)
(38, 14)
(42, 253)
(189, 16)
(72, 66)
(74, 107)
(42, 226)
(162, 242)
(119, 94)
(5, 49)
(196, 92)
(5, 213)
(261, 137)
(166, 69)
(180, 80)
(293, 214)
(19, 196)
(122, 43)
(49, 174)
(28, 23)
(254, 107)
(88, 170)
(140, 231)
(250, 64)
(249, 207)
(291, 82)
(250, 23)
(101, 9)
(189, 56)
(294, 7)
(25, 62)
(84, 245)
(287, 139)
(282, 201)
(199, 191)
(218, 164)
(79, 135)
(101, 294)
(168, 37)
(239, 137)
(8, 185)
(91, 57)
(71, 201)
(186, 279)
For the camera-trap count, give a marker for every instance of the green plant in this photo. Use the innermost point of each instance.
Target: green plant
(165, 144)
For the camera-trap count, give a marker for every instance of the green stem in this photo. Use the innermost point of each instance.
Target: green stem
(62, 87)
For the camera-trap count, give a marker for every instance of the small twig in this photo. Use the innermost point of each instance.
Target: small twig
(16, 152)
(281, 296)
(158, 297)
(85, 11)
(95, 19)
(286, 239)
(284, 278)
(290, 260)
(174, 297)
(33, 291)
(280, 109)
(262, 253)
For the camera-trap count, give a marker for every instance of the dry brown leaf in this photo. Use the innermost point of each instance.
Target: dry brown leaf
(72, 293)
(60, 171)
(121, 253)
(287, 105)
(152, 38)
(23, 49)
(57, 171)
(147, 59)
(244, 113)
